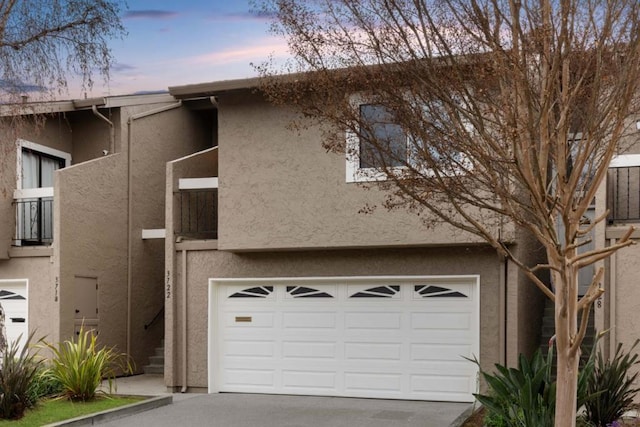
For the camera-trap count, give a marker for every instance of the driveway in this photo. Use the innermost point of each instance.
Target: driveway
(257, 410)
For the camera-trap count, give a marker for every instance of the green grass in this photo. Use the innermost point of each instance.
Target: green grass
(51, 411)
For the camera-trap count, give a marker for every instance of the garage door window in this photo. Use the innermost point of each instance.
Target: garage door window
(437, 292)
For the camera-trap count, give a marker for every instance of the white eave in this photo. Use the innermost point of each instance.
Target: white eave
(625, 161)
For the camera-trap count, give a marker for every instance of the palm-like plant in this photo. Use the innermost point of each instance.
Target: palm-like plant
(19, 372)
(80, 366)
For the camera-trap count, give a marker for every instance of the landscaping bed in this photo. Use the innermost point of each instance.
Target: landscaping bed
(49, 411)
(476, 419)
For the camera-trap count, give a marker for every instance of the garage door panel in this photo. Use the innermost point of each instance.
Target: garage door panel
(256, 319)
(309, 380)
(373, 320)
(439, 352)
(392, 345)
(309, 350)
(249, 377)
(372, 382)
(441, 321)
(371, 351)
(309, 320)
(249, 348)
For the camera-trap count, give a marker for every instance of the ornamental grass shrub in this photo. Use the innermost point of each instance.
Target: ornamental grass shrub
(18, 374)
(79, 366)
(612, 387)
(525, 396)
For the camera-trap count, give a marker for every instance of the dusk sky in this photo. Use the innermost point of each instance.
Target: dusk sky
(175, 43)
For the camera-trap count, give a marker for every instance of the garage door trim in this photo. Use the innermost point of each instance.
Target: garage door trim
(213, 304)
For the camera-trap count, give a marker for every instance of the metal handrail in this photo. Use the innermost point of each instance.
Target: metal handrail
(156, 317)
(34, 220)
(198, 211)
(623, 194)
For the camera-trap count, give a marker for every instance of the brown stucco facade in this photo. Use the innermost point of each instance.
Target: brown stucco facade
(286, 210)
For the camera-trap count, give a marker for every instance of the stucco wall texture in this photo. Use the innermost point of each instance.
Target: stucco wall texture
(90, 200)
(281, 190)
(155, 140)
(203, 265)
(200, 165)
(625, 323)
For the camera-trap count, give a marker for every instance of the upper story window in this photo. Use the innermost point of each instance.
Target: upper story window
(380, 146)
(380, 143)
(377, 124)
(34, 192)
(38, 168)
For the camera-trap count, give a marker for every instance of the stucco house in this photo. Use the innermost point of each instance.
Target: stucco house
(79, 181)
(199, 217)
(296, 292)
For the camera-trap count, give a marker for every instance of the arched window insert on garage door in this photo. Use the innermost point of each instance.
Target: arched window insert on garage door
(431, 291)
(254, 292)
(293, 291)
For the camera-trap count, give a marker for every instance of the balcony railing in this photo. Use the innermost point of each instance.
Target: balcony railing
(198, 211)
(34, 221)
(623, 194)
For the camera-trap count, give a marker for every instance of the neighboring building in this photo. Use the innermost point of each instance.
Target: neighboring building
(77, 187)
(618, 311)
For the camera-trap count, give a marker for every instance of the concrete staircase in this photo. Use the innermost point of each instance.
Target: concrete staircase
(156, 362)
(548, 330)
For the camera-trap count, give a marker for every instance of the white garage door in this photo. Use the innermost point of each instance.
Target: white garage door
(13, 297)
(394, 338)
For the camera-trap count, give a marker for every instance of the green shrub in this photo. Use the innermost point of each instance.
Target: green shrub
(44, 386)
(80, 366)
(612, 387)
(18, 373)
(525, 396)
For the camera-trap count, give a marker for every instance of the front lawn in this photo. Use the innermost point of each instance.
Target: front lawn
(50, 411)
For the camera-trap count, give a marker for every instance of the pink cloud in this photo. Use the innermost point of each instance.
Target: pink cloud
(251, 53)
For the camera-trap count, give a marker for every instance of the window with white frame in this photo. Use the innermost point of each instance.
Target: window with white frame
(379, 143)
(34, 192)
(379, 146)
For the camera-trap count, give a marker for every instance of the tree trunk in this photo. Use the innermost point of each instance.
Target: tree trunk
(567, 388)
(566, 323)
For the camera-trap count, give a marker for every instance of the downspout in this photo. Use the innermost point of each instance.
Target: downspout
(112, 142)
(184, 321)
(130, 121)
(612, 301)
(503, 311)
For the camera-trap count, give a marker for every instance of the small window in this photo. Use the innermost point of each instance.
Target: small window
(379, 144)
(383, 143)
(34, 192)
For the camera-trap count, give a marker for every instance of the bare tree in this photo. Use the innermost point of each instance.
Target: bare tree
(44, 44)
(478, 113)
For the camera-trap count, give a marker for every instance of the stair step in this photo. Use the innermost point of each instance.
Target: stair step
(156, 360)
(154, 369)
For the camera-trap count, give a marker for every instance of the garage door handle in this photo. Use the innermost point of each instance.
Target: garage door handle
(17, 319)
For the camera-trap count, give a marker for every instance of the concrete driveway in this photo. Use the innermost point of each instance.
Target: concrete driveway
(256, 410)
